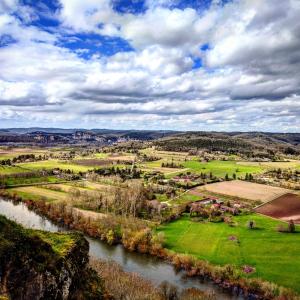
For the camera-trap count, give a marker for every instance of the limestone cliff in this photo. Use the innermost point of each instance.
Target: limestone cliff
(43, 265)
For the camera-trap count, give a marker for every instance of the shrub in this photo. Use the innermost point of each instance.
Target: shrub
(251, 224)
(291, 226)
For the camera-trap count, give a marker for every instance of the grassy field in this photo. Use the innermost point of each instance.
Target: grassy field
(294, 164)
(273, 254)
(101, 155)
(221, 168)
(12, 181)
(8, 170)
(36, 193)
(51, 164)
(217, 167)
(6, 153)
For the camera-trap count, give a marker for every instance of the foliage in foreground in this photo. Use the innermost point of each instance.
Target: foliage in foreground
(124, 285)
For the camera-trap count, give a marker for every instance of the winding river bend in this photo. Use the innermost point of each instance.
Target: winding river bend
(151, 268)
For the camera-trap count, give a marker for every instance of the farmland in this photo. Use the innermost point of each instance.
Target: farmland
(9, 170)
(221, 168)
(51, 164)
(274, 165)
(210, 241)
(39, 192)
(285, 207)
(244, 189)
(6, 153)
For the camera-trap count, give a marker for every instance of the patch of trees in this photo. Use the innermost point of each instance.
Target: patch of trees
(253, 147)
(131, 200)
(171, 165)
(249, 177)
(5, 162)
(148, 158)
(227, 145)
(22, 158)
(285, 174)
(124, 173)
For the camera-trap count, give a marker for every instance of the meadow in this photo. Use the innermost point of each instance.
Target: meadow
(9, 170)
(220, 168)
(274, 255)
(51, 164)
(9, 153)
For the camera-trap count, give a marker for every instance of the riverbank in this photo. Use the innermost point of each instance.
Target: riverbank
(141, 238)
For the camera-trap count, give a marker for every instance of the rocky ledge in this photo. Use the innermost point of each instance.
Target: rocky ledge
(42, 265)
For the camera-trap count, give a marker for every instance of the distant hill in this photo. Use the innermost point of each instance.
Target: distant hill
(247, 143)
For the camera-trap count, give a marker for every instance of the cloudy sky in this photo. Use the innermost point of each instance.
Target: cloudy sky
(151, 64)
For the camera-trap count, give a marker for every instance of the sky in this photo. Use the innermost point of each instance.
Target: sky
(210, 65)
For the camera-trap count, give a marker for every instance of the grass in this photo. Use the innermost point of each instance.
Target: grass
(8, 170)
(221, 168)
(185, 198)
(101, 155)
(217, 167)
(61, 243)
(37, 193)
(294, 164)
(51, 164)
(11, 181)
(14, 238)
(273, 254)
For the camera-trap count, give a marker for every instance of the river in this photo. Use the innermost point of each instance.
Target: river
(149, 267)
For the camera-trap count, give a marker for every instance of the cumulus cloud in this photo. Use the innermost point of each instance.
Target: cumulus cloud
(248, 77)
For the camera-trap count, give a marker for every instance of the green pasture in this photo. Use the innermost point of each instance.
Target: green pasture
(274, 255)
(11, 181)
(220, 168)
(101, 155)
(51, 164)
(8, 170)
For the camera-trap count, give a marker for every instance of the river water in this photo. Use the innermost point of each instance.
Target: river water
(149, 267)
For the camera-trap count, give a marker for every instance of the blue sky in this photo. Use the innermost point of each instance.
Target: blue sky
(165, 64)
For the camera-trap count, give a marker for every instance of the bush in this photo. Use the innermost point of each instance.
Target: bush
(291, 226)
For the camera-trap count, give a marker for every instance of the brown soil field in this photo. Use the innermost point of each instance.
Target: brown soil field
(121, 158)
(244, 189)
(285, 207)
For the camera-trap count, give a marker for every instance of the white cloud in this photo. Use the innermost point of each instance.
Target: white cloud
(250, 78)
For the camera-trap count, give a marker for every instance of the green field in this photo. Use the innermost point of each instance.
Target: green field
(101, 155)
(218, 168)
(8, 170)
(51, 164)
(221, 168)
(11, 181)
(274, 255)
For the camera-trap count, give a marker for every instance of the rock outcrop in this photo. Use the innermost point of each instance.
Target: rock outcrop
(43, 265)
